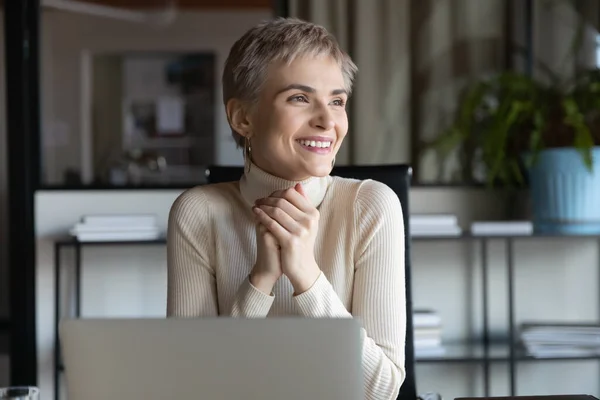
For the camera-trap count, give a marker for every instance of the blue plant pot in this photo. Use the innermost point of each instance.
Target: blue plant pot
(565, 195)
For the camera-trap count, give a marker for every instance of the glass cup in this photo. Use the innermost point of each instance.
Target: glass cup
(19, 393)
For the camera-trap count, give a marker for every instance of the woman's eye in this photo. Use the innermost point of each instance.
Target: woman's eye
(299, 98)
(339, 102)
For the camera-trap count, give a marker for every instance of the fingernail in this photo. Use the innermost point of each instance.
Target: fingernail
(256, 209)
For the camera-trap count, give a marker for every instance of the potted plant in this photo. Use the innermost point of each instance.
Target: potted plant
(540, 134)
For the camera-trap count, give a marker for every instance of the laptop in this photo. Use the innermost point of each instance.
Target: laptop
(212, 358)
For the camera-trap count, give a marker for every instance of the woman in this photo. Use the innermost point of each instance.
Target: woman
(289, 239)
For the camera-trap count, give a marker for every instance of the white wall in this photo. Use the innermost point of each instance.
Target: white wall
(555, 279)
(66, 37)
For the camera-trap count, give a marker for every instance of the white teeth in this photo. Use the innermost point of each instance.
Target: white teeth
(314, 143)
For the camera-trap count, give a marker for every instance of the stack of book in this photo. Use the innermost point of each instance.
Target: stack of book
(554, 340)
(116, 228)
(425, 225)
(427, 333)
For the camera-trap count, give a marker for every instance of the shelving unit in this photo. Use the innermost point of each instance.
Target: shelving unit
(511, 353)
(475, 352)
(77, 246)
(482, 351)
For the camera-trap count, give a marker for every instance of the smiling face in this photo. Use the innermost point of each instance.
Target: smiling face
(299, 122)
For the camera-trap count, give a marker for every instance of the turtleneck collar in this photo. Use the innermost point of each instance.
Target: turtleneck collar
(258, 184)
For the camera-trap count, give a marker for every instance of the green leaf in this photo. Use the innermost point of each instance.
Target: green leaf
(583, 141)
(517, 173)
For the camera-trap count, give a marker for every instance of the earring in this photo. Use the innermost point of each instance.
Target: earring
(247, 154)
(333, 162)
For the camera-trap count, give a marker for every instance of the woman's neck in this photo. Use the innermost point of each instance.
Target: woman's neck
(256, 184)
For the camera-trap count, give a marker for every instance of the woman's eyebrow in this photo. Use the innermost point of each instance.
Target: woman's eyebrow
(308, 89)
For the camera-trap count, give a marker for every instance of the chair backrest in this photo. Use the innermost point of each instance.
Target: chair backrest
(398, 178)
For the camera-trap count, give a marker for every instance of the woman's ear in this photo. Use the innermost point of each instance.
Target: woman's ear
(238, 117)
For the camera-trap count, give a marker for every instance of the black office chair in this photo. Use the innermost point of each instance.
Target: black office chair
(398, 178)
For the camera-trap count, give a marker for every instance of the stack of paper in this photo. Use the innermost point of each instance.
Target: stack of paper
(551, 340)
(502, 228)
(434, 225)
(114, 228)
(427, 333)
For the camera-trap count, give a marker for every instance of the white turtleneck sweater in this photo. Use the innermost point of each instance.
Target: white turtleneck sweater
(359, 249)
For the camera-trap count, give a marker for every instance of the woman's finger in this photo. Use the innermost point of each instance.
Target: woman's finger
(282, 204)
(280, 233)
(300, 189)
(283, 218)
(297, 199)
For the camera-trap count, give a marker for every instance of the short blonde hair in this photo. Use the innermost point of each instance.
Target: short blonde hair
(281, 39)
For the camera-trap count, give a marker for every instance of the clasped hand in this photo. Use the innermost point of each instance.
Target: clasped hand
(288, 223)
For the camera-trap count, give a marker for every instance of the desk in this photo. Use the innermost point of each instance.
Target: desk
(549, 397)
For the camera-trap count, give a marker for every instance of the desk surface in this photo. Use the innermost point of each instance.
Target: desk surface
(549, 397)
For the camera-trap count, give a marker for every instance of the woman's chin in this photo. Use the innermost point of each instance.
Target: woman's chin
(319, 170)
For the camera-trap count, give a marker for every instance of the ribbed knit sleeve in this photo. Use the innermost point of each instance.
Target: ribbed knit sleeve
(379, 290)
(191, 274)
(379, 298)
(321, 301)
(191, 288)
(250, 302)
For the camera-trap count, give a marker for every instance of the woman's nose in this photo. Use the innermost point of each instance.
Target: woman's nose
(323, 119)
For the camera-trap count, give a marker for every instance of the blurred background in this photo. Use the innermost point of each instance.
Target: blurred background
(130, 90)
(131, 114)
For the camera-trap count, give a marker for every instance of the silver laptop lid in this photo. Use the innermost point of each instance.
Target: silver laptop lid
(214, 358)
